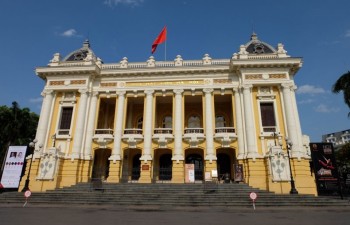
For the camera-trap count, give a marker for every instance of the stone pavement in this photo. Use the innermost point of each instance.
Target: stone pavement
(105, 215)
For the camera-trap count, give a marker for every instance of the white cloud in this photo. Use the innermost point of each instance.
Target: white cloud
(306, 101)
(347, 33)
(309, 89)
(36, 100)
(69, 33)
(132, 3)
(322, 108)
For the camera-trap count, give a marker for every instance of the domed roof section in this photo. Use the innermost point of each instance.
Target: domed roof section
(80, 54)
(255, 46)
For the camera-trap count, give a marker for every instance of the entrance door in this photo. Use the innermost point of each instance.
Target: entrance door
(136, 163)
(100, 168)
(165, 167)
(223, 164)
(197, 160)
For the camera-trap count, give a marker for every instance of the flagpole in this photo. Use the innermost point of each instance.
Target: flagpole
(165, 52)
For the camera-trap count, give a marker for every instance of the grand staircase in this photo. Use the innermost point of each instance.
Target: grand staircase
(172, 195)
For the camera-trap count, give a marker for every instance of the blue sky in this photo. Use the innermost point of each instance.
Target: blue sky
(318, 31)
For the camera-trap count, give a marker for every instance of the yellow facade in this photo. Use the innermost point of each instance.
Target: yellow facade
(144, 122)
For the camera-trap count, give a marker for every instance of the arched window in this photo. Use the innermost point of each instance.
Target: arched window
(167, 122)
(194, 122)
(140, 122)
(220, 121)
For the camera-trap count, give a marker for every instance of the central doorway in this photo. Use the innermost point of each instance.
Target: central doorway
(136, 164)
(100, 168)
(165, 167)
(197, 160)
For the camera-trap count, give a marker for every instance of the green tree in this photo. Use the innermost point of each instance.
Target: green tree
(17, 127)
(343, 84)
(342, 157)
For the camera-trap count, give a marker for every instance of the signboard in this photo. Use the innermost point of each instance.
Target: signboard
(189, 173)
(238, 174)
(324, 163)
(13, 166)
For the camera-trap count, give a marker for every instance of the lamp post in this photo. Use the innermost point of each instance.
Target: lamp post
(293, 190)
(32, 146)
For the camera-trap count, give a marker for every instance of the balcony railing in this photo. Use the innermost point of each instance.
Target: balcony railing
(104, 131)
(194, 131)
(63, 132)
(133, 131)
(269, 129)
(225, 130)
(163, 131)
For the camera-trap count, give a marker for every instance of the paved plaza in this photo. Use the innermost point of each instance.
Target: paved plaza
(105, 215)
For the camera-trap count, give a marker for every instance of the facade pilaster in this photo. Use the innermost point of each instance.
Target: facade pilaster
(239, 122)
(290, 118)
(178, 155)
(148, 126)
(44, 119)
(249, 122)
(118, 126)
(79, 129)
(91, 126)
(209, 126)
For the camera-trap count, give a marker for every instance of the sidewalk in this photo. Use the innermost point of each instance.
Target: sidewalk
(148, 215)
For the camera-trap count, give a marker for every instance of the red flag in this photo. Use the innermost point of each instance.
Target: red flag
(159, 40)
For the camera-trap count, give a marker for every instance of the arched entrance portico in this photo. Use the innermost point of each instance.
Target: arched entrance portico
(100, 169)
(162, 167)
(131, 166)
(225, 159)
(195, 156)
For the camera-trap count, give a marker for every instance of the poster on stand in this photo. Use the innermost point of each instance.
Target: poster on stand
(13, 166)
(325, 168)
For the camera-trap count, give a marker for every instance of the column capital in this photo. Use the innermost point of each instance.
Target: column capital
(246, 86)
(83, 91)
(121, 93)
(289, 85)
(236, 89)
(95, 93)
(149, 92)
(208, 90)
(46, 92)
(178, 91)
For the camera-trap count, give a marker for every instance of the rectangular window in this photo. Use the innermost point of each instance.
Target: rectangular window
(66, 119)
(268, 117)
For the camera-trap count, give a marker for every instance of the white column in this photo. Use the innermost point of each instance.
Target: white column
(178, 126)
(249, 123)
(91, 126)
(147, 146)
(290, 119)
(44, 119)
(209, 126)
(297, 121)
(118, 126)
(239, 127)
(79, 128)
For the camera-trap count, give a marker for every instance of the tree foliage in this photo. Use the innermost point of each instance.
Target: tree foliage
(343, 85)
(17, 127)
(343, 158)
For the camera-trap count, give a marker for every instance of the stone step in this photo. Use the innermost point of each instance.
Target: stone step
(230, 195)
